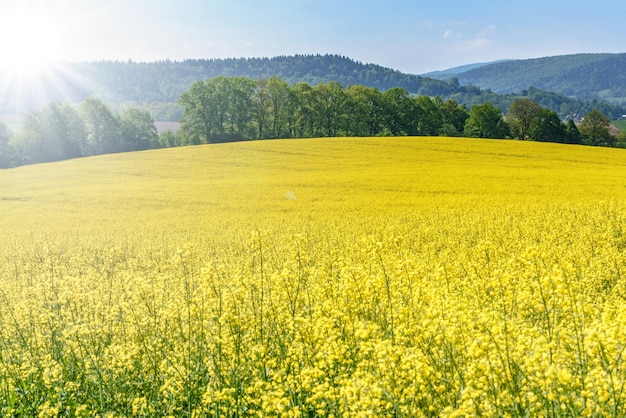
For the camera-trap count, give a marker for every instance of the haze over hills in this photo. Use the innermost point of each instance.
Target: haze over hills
(157, 86)
(583, 76)
(456, 71)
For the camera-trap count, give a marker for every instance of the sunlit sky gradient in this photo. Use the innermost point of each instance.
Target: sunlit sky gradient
(411, 36)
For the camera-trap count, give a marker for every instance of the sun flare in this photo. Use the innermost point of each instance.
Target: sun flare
(31, 39)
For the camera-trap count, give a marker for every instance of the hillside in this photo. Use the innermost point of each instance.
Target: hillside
(584, 76)
(456, 71)
(157, 86)
(118, 82)
(347, 276)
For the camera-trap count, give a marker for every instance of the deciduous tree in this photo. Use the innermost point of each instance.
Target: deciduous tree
(399, 112)
(6, 157)
(56, 132)
(101, 126)
(572, 133)
(454, 118)
(595, 129)
(199, 120)
(137, 130)
(485, 121)
(523, 113)
(547, 127)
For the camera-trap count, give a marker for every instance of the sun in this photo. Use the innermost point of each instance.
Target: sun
(30, 39)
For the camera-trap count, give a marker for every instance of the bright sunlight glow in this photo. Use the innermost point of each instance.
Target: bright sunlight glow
(30, 39)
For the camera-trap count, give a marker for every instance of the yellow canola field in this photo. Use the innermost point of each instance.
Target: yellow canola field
(320, 277)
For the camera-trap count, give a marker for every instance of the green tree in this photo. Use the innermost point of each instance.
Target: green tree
(198, 121)
(399, 112)
(364, 110)
(281, 110)
(594, 128)
(241, 107)
(547, 127)
(572, 134)
(428, 115)
(485, 121)
(6, 154)
(329, 102)
(264, 106)
(303, 102)
(56, 132)
(454, 118)
(523, 113)
(621, 140)
(137, 130)
(169, 139)
(102, 128)
(218, 109)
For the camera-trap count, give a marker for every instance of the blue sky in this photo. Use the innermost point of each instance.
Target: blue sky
(411, 36)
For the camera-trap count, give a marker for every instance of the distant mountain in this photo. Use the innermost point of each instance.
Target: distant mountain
(456, 71)
(157, 86)
(583, 76)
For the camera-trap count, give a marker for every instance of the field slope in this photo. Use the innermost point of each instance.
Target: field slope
(318, 277)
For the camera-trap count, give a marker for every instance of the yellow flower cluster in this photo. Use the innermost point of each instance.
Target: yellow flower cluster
(411, 277)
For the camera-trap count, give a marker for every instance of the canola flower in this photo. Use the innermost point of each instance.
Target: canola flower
(411, 277)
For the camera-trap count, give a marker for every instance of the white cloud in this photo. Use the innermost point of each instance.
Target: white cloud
(486, 32)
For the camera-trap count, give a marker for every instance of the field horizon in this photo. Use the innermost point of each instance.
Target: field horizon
(404, 276)
(412, 169)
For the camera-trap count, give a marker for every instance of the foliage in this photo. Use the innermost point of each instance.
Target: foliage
(528, 120)
(594, 128)
(523, 113)
(237, 108)
(485, 121)
(225, 109)
(547, 127)
(102, 127)
(137, 130)
(572, 133)
(281, 278)
(157, 86)
(59, 131)
(5, 152)
(56, 132)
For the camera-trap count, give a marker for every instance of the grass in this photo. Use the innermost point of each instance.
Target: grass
(621, 124)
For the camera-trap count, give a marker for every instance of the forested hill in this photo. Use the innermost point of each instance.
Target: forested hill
(584, 76)
(167, 80)
(157, 86)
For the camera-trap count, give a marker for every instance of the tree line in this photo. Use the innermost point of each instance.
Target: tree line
(238, 108)
(157, 86)
(233, 108)
(59, 131)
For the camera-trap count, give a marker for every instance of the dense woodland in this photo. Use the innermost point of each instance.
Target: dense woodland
(157, 86)
(238, 108)
(232, 108)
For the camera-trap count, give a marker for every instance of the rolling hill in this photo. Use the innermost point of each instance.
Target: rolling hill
(456, 71)
(345, 276)
(124, 82)
(583, 76)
